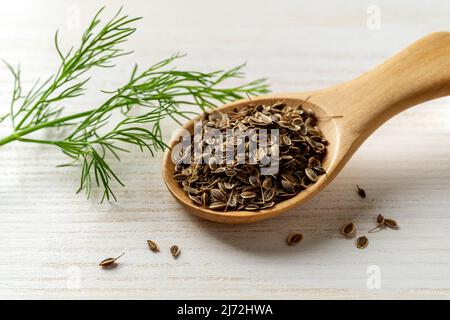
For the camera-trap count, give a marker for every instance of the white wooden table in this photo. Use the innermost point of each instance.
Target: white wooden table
(51, 239)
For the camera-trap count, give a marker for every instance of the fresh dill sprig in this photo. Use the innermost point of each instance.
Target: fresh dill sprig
(131, 114)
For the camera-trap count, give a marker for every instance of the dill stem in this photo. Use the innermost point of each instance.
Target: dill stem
(155, 93)
(46, 95)
(37, 141)
(16, 136)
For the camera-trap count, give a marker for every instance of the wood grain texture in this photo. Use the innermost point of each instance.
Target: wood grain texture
(51, 239)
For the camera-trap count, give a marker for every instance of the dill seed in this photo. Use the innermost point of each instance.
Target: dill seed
(361, 192)
(311, 174)
(110, 261)
(348, 230)
(362, 242)
(391, 224)
(175, 251)
(237, 184)
(380, 223)
(294, 238)
(153, 245)
(383, 222)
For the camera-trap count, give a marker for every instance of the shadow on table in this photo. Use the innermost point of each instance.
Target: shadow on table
(319, 220)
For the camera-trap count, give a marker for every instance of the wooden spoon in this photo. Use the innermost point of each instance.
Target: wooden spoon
(417, 74)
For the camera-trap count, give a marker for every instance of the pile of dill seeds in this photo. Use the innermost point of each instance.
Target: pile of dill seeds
(231, 186)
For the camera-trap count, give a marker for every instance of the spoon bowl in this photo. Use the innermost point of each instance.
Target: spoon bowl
(329, 129)
(347, 114)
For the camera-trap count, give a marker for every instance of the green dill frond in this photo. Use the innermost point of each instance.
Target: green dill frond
(95, 138)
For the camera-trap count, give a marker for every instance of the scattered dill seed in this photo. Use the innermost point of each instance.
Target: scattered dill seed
(348, 230)
(361, 192)
(109, 262)
(391, 223)
(294, 238)
(362, 242)
(384, 222)
(153, 245)
(380, 224)
(175, 251)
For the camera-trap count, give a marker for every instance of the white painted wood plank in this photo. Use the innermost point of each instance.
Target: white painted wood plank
(52, 239)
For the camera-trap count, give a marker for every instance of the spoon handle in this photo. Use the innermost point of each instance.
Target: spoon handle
(419, 73)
